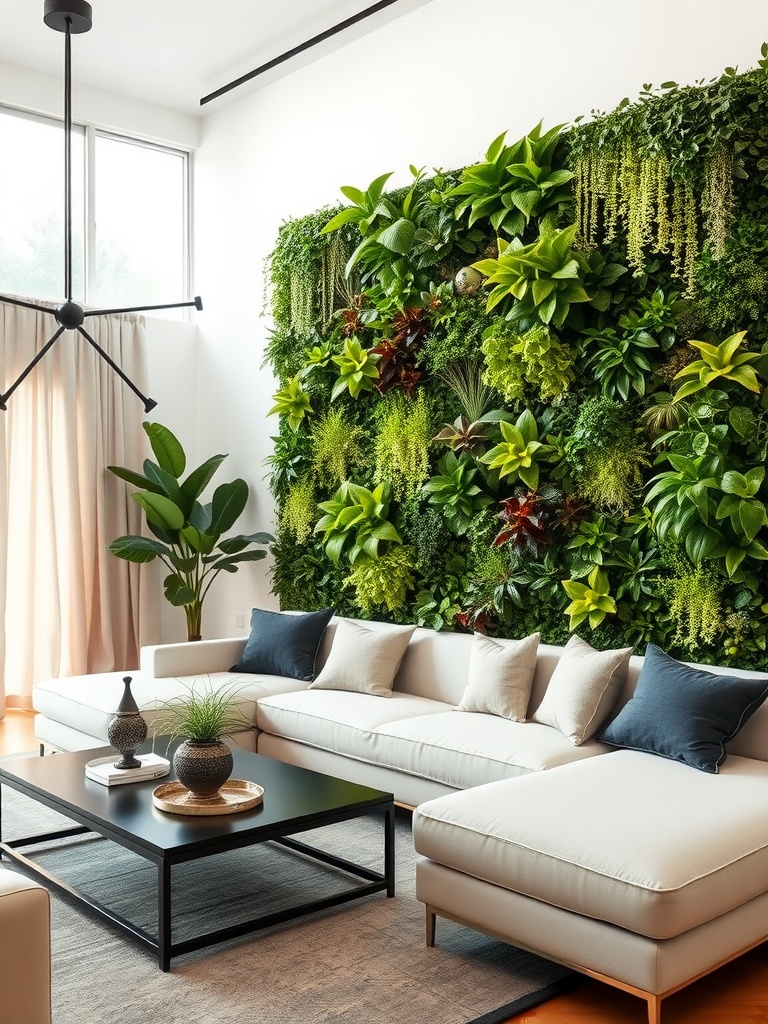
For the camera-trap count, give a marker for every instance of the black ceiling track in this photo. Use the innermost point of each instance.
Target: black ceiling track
(294, 51)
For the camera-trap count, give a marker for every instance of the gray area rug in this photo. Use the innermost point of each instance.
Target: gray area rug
(365, 963)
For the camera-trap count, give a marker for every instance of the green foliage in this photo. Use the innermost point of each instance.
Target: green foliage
(336, 448)
(383, 581)
(606, 457)
(304, 273)
(518, 455)
(455, 490)
(402, 444)
(538, 281)
(465, 379)
(694, 593)
(717, 363)
(437, 606)
(549, 502)
(299, 509)
(461, 436)
(459, 338)
(201, 715)
(732, 288)
(293, 402)
(591, 600)
(357, 369)
(188, 537)
(358, 517)
(515, 183)
(532, 362)
(618, 361)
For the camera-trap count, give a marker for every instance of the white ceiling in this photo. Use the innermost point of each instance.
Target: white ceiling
(174, 52)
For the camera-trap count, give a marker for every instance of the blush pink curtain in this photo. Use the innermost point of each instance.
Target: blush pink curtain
(69, 606)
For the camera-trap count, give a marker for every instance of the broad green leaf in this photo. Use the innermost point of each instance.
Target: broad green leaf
(198, 480)
(160, 510)
(138, 549)
(167, 448)
(752, 518)
(341, 218)
(398, 237)
(229, 500)
(165, 482)
(135, 478)
(177, 592)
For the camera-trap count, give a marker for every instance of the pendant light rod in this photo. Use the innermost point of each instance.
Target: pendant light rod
(197, 302)
(149, 403)
(295, 50)
(68, 160)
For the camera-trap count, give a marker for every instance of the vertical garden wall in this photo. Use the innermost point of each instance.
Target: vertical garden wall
(530, 394)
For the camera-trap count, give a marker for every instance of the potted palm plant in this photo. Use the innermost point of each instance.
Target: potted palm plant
(187, 535)
(201, 717)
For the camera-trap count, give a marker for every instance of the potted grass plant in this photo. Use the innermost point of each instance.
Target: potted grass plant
(201, 717)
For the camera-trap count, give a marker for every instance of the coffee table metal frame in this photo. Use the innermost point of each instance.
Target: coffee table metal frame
(204, 838)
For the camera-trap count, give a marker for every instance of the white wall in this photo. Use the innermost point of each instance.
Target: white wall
(431, 89)
(42, 94)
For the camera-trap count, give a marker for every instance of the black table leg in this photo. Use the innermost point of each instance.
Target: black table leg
(164, 915)
(389, 849)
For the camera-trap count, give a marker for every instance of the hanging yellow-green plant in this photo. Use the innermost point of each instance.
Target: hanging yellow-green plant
(299, 510)
(718, 200)
(336, 448)
(402, 445)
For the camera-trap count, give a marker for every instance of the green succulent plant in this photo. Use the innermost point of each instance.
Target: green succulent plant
(293, 402)
(591, 600)
(517, 456)
(718, 363)
(357, 369)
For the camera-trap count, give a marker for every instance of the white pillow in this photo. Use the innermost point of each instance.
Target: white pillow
(363, 660)
(583, 689)
(500, 677)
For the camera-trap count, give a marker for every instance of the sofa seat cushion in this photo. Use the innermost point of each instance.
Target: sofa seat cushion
(463, 748)
(86, 703)
(338, 720)
(647, 844)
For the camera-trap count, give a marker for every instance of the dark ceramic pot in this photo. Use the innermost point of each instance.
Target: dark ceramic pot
(203, 767)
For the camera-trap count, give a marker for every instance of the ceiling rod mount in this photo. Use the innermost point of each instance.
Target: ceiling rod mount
(77, 13)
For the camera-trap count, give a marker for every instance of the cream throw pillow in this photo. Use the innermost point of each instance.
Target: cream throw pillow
(583, 689)
(500, 677)
(363, 660)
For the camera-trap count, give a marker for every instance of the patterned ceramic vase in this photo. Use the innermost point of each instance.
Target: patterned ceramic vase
(126, 729)
(203, 767)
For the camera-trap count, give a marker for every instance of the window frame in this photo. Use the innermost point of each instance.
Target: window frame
(90, 133)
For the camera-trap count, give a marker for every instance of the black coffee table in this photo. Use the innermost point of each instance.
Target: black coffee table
(295, 800)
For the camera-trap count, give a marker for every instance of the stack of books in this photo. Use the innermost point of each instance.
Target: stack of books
(103, 770)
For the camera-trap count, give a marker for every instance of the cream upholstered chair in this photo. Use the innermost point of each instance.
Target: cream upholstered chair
(25, 950)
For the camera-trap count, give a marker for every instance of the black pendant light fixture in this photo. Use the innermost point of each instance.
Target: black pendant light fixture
(73, 17)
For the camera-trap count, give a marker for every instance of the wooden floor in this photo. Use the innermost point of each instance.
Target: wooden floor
(736, 994)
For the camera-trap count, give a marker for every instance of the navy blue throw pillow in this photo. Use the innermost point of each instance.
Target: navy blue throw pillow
(684, 713)
(284, 645)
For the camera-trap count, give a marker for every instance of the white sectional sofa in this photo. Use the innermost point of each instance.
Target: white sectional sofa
(631, 867)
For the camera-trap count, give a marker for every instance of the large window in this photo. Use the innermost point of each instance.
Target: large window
(130, 204)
